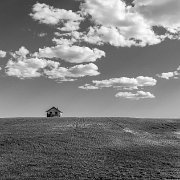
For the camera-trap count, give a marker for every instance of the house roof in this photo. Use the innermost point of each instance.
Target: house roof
(54, 108)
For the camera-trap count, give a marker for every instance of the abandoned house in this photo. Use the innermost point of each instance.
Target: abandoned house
(54, 112)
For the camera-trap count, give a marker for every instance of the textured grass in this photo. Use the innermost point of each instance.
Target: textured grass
(89, 148)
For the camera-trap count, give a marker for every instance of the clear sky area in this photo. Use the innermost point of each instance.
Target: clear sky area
(90, 58)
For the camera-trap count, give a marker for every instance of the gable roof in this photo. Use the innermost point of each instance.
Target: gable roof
(54, 108)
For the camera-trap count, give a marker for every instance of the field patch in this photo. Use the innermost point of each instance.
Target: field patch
(89, 148)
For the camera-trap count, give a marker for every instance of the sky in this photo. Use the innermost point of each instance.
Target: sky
(90, 58)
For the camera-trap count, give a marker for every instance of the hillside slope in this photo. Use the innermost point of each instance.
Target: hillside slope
(89, 148)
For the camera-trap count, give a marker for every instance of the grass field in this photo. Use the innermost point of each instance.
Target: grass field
(89, 148)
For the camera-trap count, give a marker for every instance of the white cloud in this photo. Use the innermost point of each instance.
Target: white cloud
(48, 15)
(124, 22)
(63, 41)
(109, 12)
(122, 25)
(28, 68)
(70, 26)
(167, 75)
(42, 34)
(170, 75)
(125, 83)
(66, 19)
(111, 35)
(35, 67)
(2, 54)
(66, 74)
(135, 96)
(72, 54)
(88, 87)
(69, 38)
(178, 69)
(164, 13)
(122, 83)
(114, 22)
(136, 22)
(23, 52)
(25, 67)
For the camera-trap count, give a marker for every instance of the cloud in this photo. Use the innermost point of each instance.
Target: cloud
(111, 35)
(125, 83)
(70, 26)
(48, 15)
(133, 25)
(28, 68)
(122, 83)
(170, 75)
(66, 74)
(72, 54)
(110, 12)
(135, 96)
(125, 22)
(88, 87)
(22, 52)
(167, 75)
(24, 66)
(42, 34)
(2, 54)
(114, 22)
(160, 13)
(63, 41)
(35, 67)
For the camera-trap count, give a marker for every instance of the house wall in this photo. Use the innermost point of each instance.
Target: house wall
(54, 113)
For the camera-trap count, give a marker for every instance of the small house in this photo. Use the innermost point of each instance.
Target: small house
(54, 112)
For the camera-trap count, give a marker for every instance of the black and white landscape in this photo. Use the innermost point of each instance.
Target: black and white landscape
(90, 59)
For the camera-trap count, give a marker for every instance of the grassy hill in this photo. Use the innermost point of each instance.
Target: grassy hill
(89, 148)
